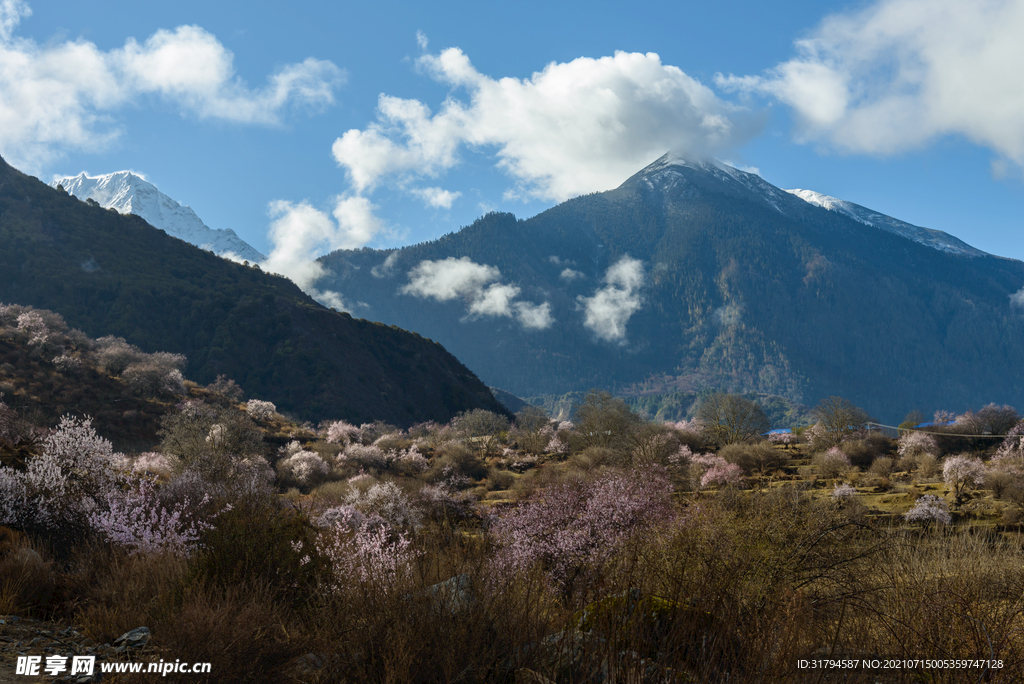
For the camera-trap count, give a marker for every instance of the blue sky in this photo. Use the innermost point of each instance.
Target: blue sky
(315, 125)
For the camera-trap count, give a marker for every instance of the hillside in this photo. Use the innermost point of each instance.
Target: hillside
(694, 275)
(110, 274)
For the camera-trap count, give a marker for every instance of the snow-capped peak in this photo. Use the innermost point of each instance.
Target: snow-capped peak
(130, 193)
(935, 239)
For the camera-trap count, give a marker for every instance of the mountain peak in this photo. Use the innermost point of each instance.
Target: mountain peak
(130, 193)
(674, 170)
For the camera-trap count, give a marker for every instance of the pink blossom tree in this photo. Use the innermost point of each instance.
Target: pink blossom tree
(573, 530)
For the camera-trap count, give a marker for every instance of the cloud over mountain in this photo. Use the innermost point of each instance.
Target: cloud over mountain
(462, 278)
(609, 310)
(569, 129)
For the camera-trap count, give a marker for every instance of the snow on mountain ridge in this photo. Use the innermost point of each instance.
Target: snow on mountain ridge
(129, 193)
(935, 239)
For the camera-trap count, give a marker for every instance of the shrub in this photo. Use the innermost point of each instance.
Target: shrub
(832, 463)
(760, 456)
(1000, 481)
(863, 452)
(209, 438)
(455, 458)
(594, 457)
(882, 466)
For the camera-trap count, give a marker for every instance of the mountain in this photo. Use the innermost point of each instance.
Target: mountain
(695, 275)
(131, 194)
(114, 274)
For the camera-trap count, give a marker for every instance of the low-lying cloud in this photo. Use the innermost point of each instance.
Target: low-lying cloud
(609, 310)
(901, 73)
(61, 95)
(479, 287)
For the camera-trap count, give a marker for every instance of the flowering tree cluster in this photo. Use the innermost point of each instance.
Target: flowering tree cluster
(715, 471)
(913, 444)
(305, 466)
(136, 519)
(375, 556)
(572, 530)
(785, 439)
(1010, 455)
(843, 492)
(260, 410)
(928, 510)
(373, 456)
(961, 472)
(341, 432)
(32, 324)
(66, 481)
(388, 502)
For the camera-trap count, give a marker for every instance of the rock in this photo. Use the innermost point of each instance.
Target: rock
(454, 595)
(136, 638)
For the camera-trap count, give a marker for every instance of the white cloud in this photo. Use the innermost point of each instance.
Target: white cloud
(570, 275)
(572, 128)
(385, 269)
(534, 316)
(728, 315)
(63, 95)
(475, 284)
(1017, 298)
(494, 301)
(299, 233)
(900, 73)
(609, 310)
(449, 279)
(438, 198)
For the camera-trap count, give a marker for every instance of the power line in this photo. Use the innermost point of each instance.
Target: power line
(945, 434)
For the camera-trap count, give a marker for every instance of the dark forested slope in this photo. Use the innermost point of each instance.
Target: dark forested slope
(110, 274)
